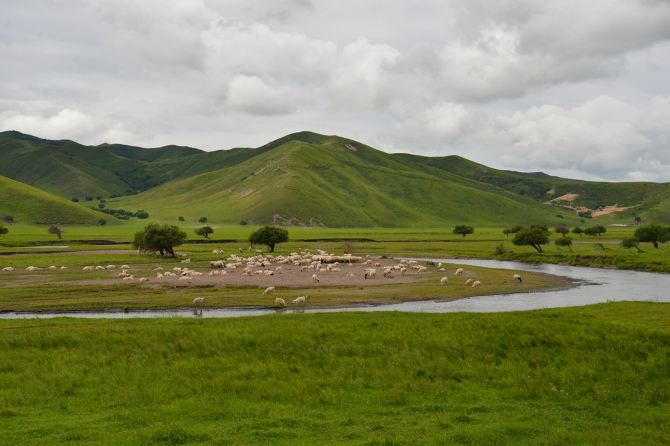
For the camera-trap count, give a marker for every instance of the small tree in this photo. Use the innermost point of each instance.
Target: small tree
(596, 230)
(638, 220)
(463, 230)
(243, 222)
(8, 219)
(75, 199)
(563, 230)
(142, 214)
(159, 238)
(3, 230)
(507, 231)
(534, 236)
(204, 231)
(564, 241)
(101, 205)
(202, 220)
(653, 233)
(181, 219)
(269, 236)
(56, 230)
(102, 222)
(579, 231)
(631, 242)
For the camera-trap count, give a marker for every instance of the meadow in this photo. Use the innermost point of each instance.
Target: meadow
(589, 375)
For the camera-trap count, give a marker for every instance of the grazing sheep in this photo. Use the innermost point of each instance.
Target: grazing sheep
(110, 267)
(169, 274)
(421, 269)
(315, 278)
(88, 268)
(186, 261)
(128, 278)
(159, 275)
(388, 273)
(158, 268)
(468, 282)
(144, 279)
(8, 269)
(403, 270)
(369, 273)
(279, 302)
(458, 272)
(444, 280)
(100, 268)
(441, 269)
(124, 267)
(52, 267)
(269, 290)
(198, 301)
(300, 300)
(63, 267)
(518, 278)
(32, 268)
(351, 275)
(476, 283)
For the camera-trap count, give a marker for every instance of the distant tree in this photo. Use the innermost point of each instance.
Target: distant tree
(142, 214)
(631, 242)
(88, 198)
(98, 198)
(102, 222)
(534, 236)
(463, 230)
(585, 214)
(8, 219)
(564, 241)
(101, 205)
(638, 220)
(653, 233)
(269, 236)
(75, 199)
(596, 230)
(204, 231)
(563, 230)
(243, 222)
(56, 230)
(3, 230)
(159, 238)
(202, 220)
(577, 230)
(181, 219)
(507, 231)
(512, 230)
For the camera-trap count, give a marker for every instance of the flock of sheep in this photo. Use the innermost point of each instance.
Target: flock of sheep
(266, 265)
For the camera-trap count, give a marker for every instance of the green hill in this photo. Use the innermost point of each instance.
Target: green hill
(31, 205)
(313, 179)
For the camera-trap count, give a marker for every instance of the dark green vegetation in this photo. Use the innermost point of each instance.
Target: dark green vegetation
(269, 236)
(310, 179)
(205, 231)
(591, 375)
(26, 204)
(534, 236)
(159, 238)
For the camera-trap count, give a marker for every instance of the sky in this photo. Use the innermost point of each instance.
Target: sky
(574, 88)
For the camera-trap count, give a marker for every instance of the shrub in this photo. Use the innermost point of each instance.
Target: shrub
(202, 220)
(75, 199)
(243, 223)
(181, 219)
(631, 242)
(3, 230)
(564, 241)
(8, 219)
(142, 214)
(596, 230)
(577, 230)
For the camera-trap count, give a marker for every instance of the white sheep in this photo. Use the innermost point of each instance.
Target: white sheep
(315, 278)
(159, 275)
(198, 301)
(269, 290)
(124, 267)
(300, 300)
(144, 279)
(185, 261)
(8, 269)
(158, 268)
(279, 302)
(518, 278)
(52, 267)
(422, 269)
(468, 282)
(32, 268)
(388, 272)
(88, 268)
(476, 283)
(128, 277)
(110, 267)
(444, 280)
(369, 273)
(100, 268)
(458, 272)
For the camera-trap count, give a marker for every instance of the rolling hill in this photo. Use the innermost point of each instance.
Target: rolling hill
(307, 178)
(312, 179)
(31, 205)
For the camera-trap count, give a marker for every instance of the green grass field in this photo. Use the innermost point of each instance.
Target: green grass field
(595, 375)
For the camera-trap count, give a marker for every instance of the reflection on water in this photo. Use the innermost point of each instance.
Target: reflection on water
(594, 285)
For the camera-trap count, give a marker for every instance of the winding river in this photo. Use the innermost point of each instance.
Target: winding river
(593, 285)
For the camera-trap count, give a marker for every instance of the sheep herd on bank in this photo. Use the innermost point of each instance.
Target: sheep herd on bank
(261, 264)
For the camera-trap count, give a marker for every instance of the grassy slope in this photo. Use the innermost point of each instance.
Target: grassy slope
(592, 375)
(650, 199)
(31, 205)
(336, 186)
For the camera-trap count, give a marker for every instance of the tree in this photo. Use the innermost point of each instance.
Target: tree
(9, 219)
(56, 230)
(102, 222)
(3, 230)
(202, 220)
(243, 222)
(563, 230)
(75, 199)
(631, 242)
(204, 231)
(142, 214)
(638, 220)
(159, 238)
(512, 230)
(653, 233)
(534, 236)
(579, 231)
(269, 236)
(101, 205)
(507, 231)
(463, 230)
(596, 230)
(181, 219)
(564, 241)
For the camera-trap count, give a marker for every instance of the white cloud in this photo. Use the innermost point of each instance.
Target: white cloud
(250, 94)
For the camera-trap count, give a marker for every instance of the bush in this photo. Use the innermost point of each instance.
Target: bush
(564, 241)
(101, 205)
(8, 219)
(563, 230)
(585, 214)
(88, 198)
(102, 222)
(75, 199)
(269, 236)
(577, 230)
(631, 242)
(500, 249)
(159, 238)
(596, 230)
(3, 230)
(243, 223)
(181, 219)
(142, 214)
(202, 220)
(463, 230)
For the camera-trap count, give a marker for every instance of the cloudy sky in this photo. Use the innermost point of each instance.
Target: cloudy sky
(570, 87)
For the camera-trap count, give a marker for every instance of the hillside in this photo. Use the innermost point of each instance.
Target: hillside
(627, 199)
(30, 205)
(313, 179)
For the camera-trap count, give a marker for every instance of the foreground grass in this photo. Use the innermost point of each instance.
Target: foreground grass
(588, 375)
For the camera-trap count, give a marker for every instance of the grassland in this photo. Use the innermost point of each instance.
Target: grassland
(591, 375)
